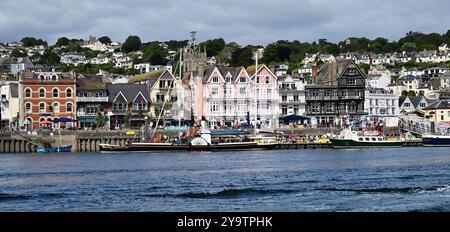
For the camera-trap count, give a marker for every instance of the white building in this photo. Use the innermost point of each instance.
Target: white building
(382, 105)
(292, 95)
(147, 67)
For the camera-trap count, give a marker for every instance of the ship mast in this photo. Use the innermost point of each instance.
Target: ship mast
(255, 92)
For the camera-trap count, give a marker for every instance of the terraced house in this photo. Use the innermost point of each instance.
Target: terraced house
(170, 99)
(228, 96)
(48, 96)
(128, 105)
(92, 98)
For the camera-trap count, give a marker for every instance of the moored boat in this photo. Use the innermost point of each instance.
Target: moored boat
(436, 140)
(54, 149)
(354, 139)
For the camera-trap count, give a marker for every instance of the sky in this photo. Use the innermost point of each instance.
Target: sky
(256, 22)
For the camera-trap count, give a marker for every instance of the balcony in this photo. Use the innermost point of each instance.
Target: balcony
(92, 99)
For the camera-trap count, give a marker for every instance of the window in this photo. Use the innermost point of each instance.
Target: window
(329, 108)
(160, 98)
(214, 107)
(228, 79)
(28, 93)
(242, 91)
(214, 91)
(69, 107)
(215, 79)
(422, 105)
(68, 92)
(139, 106)
(351, 81)
(42, 108)
(119, 106)
(267, 80)
(284, 110)
(55, 93)
(295, 98)
(242, 79)
(28, 108)
(269, 93)
(42, 93)
(407, 104)
(284, 98)
(55, 107)
(315, 108)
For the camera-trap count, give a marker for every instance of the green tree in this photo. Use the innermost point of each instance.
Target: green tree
(31, 42)
(105, 40)
(405, 93)
(154, 54)
(18, 53)
(127, 119)
(100, 119)
(50, 58)
(63, 41)
(409, 47)
(213, 47)
(242, 57)
(131, 44)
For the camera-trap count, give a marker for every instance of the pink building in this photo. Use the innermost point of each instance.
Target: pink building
(227, 95)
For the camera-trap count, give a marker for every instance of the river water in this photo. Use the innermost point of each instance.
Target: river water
(399, 179)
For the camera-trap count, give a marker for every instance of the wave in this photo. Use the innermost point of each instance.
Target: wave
(391, 190)
(227, 193)
(12, 197)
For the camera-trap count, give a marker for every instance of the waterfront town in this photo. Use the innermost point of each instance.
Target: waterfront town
(98, 84)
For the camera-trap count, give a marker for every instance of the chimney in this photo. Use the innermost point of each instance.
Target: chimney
(314, 73)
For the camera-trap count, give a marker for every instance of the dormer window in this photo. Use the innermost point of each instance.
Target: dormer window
(215, 79)
(54, 78)
(242, 79)
(41, 77)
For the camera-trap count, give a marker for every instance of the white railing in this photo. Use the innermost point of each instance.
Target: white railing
(419, 125)
(92, 99)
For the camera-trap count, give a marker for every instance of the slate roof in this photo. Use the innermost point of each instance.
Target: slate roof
(328, 73)
(129, 91)
(414, 100)
(438, 105)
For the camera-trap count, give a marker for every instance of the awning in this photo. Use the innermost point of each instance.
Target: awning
(293, 117)
(85, 120)
(64, 120)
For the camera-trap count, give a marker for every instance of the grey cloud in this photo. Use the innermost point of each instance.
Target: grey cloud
(243, 21)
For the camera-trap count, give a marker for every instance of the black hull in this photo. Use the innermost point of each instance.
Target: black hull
(154, 148)
(436, 141)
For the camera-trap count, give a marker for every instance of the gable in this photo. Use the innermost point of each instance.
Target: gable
(215, 73)
(139, 98)
(120, 98)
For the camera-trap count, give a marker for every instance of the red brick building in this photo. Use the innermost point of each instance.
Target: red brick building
(48, 96)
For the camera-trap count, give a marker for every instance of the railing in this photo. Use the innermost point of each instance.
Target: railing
(422, 126)
(92, 99)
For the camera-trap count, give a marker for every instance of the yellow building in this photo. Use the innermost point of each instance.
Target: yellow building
(438, 111)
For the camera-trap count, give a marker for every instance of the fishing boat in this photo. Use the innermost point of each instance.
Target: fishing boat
(54, 149)
(359, 139)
